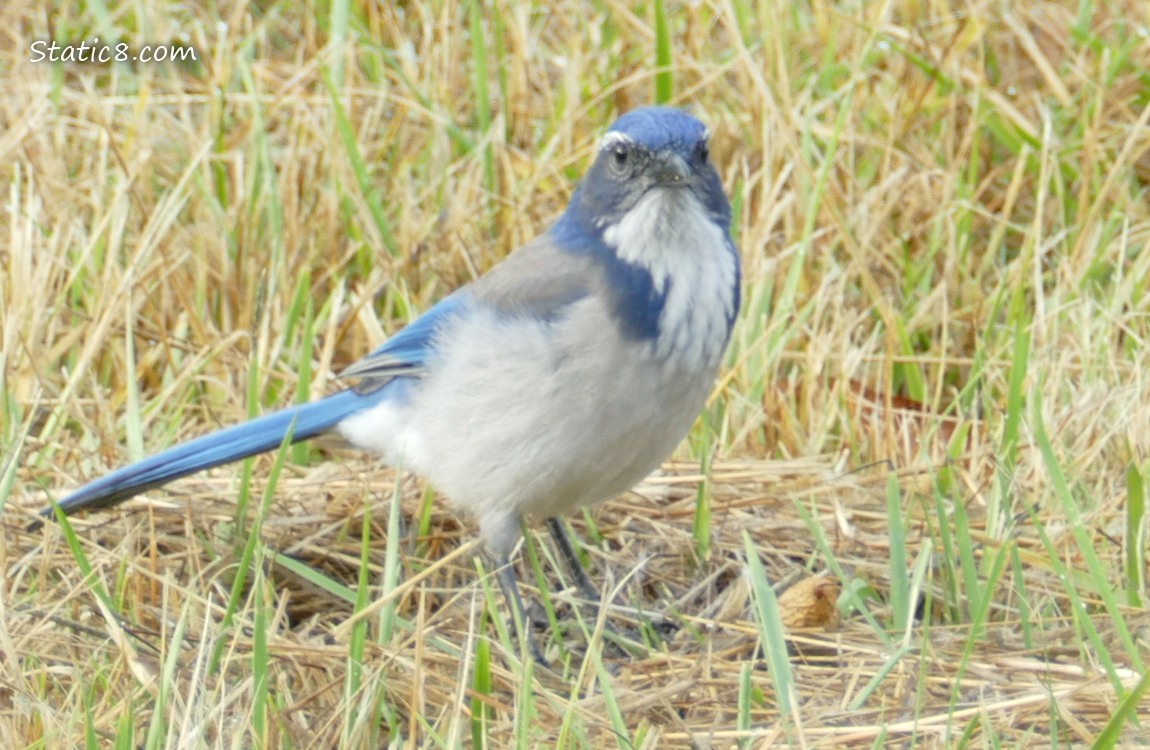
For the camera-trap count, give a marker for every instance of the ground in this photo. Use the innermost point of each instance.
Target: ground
(912, 514)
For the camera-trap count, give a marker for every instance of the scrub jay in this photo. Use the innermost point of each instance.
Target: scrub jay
(557, 380)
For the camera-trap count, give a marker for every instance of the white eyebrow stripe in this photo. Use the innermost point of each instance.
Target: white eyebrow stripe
(613, 138)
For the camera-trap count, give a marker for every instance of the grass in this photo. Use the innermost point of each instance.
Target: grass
(938, 391)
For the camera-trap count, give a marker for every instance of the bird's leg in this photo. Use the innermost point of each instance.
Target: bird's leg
(505, 574)
(558, 531)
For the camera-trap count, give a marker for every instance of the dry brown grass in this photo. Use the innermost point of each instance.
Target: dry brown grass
(918, 185)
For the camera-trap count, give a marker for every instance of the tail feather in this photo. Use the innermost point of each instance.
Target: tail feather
(230, 444)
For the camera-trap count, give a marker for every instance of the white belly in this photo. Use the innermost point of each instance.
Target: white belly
(508, 424)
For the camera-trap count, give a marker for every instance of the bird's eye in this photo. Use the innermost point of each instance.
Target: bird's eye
(619, 158)
(703, 151)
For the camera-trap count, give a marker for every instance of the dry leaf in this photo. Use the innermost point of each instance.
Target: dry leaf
(810, 603)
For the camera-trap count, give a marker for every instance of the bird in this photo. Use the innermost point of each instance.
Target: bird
(557, 380)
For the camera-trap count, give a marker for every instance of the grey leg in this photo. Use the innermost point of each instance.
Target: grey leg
(506, 577)
(558, 531)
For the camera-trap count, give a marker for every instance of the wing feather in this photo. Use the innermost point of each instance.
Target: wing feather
(539, 280)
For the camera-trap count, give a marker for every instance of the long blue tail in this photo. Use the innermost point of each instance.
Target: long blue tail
(229, 444)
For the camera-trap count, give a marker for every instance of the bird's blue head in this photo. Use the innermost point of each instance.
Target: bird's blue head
(646, 149)
(652, 211)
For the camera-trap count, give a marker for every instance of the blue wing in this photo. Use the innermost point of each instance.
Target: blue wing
(539, 280)
(406, 352)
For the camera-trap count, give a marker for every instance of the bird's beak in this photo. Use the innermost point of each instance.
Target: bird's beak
(670, 169)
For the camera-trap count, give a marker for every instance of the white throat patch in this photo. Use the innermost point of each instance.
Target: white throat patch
(670, 234)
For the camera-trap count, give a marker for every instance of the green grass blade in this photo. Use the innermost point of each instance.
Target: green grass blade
(482, 92)
(391, 567)
(1128, 711)
(482, 713)
(338, 23)
(901, 611)
(1096, 575)
(1137, 538)
(701, 526)
(664, 82)
(772, 634)
(357, 642)
(367, 187)
(251, 554)
(260, 659)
